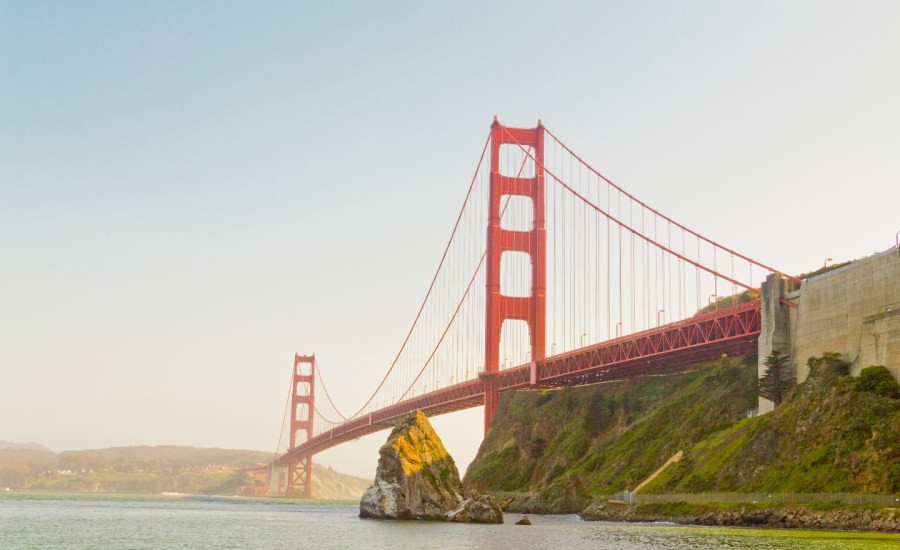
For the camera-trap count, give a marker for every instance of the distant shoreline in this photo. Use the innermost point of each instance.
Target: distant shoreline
(161, 496)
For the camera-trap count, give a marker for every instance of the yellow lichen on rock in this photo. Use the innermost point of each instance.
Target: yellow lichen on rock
(419, 446)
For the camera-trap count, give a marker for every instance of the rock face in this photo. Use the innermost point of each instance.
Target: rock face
(416, 476)
(477, 509)
(787, 516)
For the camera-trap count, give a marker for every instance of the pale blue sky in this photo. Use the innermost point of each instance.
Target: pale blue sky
(191, 192)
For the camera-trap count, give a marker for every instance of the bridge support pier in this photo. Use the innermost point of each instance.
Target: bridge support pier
(491, 397)
(775, 326)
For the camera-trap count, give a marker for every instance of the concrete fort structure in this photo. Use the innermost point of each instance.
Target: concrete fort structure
(853, 310)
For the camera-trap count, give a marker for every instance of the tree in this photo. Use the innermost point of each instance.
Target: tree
(777, 380)
(877, 379)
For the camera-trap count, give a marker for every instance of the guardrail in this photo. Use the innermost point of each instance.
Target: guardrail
(860, 499)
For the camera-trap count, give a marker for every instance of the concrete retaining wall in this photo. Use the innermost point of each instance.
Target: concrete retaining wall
(853, 310)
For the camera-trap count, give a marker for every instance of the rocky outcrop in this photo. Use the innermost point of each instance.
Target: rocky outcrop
(477, 509)
(416, 477)
(604, 510)
(793, 516)
(796, 517)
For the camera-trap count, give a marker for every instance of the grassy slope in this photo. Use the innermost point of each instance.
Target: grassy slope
(569, 445)
(572, 444)
(330, 484)
(825, 437)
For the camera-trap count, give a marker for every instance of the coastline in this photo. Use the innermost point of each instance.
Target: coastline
(790, 516)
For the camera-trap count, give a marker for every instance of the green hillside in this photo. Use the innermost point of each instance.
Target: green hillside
(564, 447)
(571, 444)
(831, 435)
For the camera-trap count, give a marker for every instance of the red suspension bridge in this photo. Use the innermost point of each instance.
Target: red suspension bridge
(574, 281)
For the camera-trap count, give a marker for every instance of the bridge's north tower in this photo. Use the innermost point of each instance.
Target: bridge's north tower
(302, 413)
(500, 307)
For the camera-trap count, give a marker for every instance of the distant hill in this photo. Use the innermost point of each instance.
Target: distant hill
(28, 446)
(151, 470)
(159, 457)
(330, 484)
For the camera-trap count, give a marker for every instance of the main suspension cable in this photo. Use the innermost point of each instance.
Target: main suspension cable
(433, 280)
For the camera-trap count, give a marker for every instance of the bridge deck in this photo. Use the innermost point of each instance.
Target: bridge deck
(671, 348)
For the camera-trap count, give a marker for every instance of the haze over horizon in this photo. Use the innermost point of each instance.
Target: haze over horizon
(190, 193)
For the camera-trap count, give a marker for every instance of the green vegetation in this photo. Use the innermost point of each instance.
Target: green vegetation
(824, 269)
(832, 433)
(825, 437)
(777, 380)
(570, 445)
(731, 300)
(877, 379)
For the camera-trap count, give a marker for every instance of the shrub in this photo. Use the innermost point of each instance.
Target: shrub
(877, 379)
(830, 364)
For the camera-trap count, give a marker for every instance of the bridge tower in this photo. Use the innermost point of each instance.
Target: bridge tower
(533, 242)
(302, 411)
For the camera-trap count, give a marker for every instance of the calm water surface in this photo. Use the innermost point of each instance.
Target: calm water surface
(111, 521)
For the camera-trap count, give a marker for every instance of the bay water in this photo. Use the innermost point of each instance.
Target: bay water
(82, 521)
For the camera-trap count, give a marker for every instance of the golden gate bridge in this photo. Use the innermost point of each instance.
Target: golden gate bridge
(553, 275)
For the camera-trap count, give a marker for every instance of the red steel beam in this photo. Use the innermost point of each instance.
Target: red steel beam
(668, 349)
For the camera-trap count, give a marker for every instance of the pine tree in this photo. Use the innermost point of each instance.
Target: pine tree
(777, 380)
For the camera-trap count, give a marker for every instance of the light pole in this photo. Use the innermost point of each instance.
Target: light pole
(660, 313)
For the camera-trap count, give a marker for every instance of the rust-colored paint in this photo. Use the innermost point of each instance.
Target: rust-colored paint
(499, 308)
(302, 414)
(671, 348)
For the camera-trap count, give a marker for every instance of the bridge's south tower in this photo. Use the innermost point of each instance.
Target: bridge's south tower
(500, 307)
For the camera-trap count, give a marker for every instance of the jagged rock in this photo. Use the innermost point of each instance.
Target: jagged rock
(791, 516)
(603, 510)
(477, 509)
(524, 521)
(416, 477)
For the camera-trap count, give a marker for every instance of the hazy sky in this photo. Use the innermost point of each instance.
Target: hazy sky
(191, 192)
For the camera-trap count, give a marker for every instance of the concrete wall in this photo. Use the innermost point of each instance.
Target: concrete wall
(775, 329)
(853, 310)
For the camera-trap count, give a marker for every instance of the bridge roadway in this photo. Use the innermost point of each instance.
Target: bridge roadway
(671, 348)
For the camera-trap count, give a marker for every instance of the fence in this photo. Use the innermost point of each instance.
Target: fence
(764, 498)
